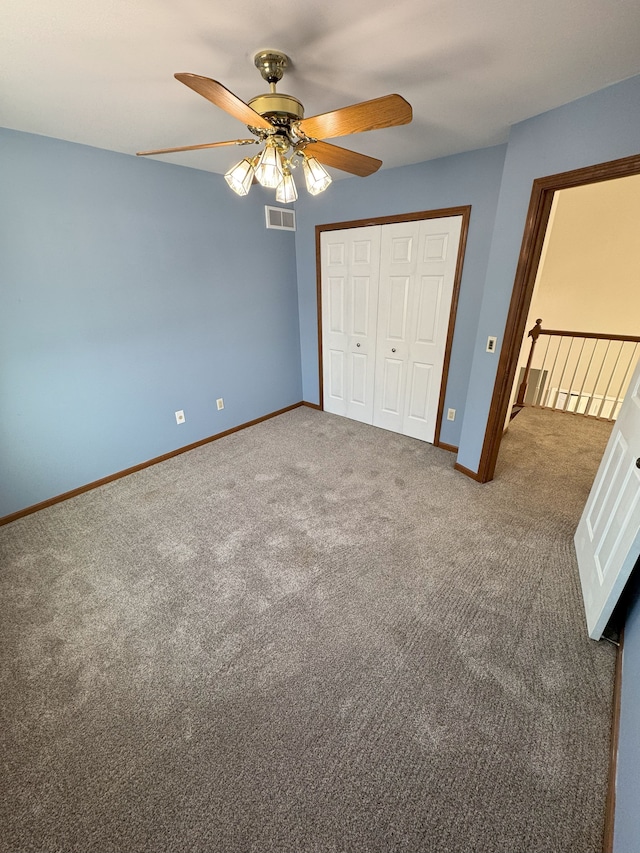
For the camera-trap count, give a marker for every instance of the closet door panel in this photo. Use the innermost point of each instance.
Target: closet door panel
(397, 271)
(430, 307)
(349, 293)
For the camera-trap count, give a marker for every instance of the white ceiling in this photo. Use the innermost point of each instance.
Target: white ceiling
(100, 72)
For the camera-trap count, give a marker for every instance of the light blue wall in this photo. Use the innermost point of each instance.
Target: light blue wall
(626, 836)
(472, 178)
(130, 289)
(601, 127)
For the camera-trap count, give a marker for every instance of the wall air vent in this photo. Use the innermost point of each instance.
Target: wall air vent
(280, 217)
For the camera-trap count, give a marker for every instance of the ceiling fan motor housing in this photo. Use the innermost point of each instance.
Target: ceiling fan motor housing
(278, 106)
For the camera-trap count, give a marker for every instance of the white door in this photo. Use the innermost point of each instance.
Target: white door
(350, 267)
(608, 537)
(417, 274)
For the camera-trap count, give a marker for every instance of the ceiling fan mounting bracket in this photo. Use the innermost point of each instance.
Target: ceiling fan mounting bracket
(271, 64)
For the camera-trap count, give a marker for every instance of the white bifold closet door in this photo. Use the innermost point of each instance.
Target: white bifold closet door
(386, 301)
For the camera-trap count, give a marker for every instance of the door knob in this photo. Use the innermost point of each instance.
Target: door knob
(638, 462)
(357, 345)
(393, 349)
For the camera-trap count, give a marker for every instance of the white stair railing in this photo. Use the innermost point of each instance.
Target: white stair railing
(581, 372)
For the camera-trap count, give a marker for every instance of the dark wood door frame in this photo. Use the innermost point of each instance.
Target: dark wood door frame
(465, 213)
(532, 241)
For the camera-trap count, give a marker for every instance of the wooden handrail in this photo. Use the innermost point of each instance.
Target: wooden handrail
(559, 332)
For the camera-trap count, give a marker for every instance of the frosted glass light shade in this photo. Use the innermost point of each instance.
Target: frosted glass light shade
(240, 177)
(269, 170)
(316, 176)
(287, 192)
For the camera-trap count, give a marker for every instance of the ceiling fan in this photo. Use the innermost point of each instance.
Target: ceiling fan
(277, 121)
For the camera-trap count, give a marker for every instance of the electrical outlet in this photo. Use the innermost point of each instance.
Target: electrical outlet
(180, 417)
(491, 343)
(220, 403)
(451, 414)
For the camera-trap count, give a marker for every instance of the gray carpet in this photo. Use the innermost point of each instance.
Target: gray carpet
(312, 635)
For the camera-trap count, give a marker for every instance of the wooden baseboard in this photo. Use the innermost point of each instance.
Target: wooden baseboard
(444, 446)
(610, 807)
(7, 519)
(468, 472)
(312, 405)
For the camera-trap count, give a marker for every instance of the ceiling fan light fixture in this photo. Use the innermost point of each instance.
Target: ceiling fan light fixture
(286, 192)
(316, 176)
(269, 171)
(278, 122)
(240, 177)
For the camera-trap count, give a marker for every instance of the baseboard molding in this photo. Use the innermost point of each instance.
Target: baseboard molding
(468, 472)
(315, 406)
(7, 519)
(610, 807)
(444, 446)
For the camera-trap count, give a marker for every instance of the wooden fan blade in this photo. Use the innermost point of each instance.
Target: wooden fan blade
(342, 158)
(388, 111)
(195, 147)
(223, 98)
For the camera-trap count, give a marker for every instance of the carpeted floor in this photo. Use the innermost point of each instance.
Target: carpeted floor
(312, 635)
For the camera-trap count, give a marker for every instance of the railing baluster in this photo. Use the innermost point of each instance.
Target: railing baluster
(574, 377)
(630, 367)
(541, 375)
(584, 381)
(604, 396)
(595, 384)
(564, 368)
(553, 370)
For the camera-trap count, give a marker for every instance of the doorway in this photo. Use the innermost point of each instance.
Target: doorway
(404, 389)
(587, 292)
(540, 206)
